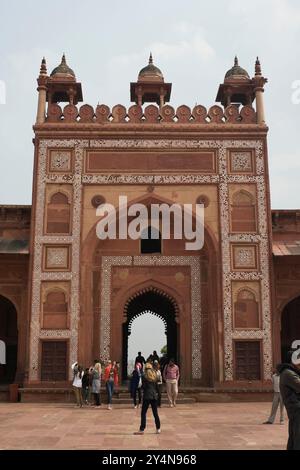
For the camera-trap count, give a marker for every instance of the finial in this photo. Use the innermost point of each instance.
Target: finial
(236, 62)
(150, 58)
(63, 59)
(257, 67)
(43, 69)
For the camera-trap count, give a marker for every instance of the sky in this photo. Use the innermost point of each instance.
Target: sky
(147, 335)
(106, 43)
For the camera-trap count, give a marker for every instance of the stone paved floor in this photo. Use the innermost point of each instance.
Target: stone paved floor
(196, 426)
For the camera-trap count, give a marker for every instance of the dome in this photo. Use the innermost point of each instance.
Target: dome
(62, 69)
(237, 72)
(150, 72)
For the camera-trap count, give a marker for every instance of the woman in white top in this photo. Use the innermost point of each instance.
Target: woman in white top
(77, 383)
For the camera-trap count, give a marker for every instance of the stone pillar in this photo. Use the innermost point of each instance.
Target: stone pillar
(259, 82)
(161, 101)
(41, 109)
(260, 108)
(42, 89)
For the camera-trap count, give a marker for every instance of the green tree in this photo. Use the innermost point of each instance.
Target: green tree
(164, 350)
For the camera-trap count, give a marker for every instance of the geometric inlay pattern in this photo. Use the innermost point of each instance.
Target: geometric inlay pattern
(241, 162)
(57, 257)
(153, 260)
(60, 161)
(244, 256)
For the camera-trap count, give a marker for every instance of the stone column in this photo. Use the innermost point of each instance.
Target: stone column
(42, 89)
(41, 109)
(260, 108)
(161, 101)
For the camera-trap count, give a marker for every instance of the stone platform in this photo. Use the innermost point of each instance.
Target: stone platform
(188, 426)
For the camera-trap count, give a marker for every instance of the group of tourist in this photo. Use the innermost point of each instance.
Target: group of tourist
(148, 376)
(88, 382)
(166, 371)
(146, 388)
(145, 384)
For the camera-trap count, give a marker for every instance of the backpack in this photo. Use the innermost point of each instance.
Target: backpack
(150, 373)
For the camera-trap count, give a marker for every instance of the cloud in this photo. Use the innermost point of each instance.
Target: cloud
(274, 15)
(193, 45)
(197, 47)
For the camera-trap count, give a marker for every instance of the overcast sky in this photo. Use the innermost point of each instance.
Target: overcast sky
(108, 42)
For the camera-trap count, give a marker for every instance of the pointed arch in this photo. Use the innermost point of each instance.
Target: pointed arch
(246, 309)
(58, 213)
(55, 309)
(243, 212)
(159, 303)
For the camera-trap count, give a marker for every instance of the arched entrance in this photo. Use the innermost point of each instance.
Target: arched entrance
(159, 303)
(112, 271)
(8, 336)
(290, 326)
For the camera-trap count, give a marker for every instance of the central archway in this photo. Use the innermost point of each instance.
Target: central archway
(159, 303)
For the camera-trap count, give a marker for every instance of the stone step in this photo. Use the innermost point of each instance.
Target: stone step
(164, 401)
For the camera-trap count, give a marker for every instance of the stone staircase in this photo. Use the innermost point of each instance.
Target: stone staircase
(122, 397)
(66, 395)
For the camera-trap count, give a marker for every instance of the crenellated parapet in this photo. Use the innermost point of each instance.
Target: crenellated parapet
(151, 114)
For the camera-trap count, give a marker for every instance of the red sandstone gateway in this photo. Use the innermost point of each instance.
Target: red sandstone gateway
(67, 296)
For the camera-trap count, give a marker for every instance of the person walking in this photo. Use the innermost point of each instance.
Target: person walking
(171, 377)
(277, 399)
(96, 384)
(77, 383)
(290, 392)
(85, 386)
(116, 378)
(156, 367)
(111, 379)
(140, 360)
(155, 357)
(150, 396)
(136, 385)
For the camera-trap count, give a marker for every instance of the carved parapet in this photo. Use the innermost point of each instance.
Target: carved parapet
(54, 113)
(102, 113)
(151, 114)
(86, 113)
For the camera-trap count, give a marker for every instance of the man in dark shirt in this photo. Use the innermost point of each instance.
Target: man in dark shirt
(140, 359)
(290, 392)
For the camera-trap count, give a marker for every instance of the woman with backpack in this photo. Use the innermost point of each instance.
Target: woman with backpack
(150, 397)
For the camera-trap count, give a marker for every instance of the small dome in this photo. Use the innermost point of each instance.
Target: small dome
(62, 69)
(151, 72)
(237, 72)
